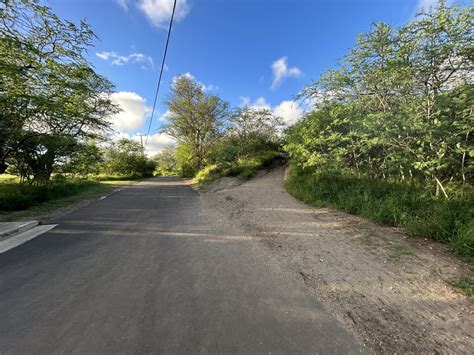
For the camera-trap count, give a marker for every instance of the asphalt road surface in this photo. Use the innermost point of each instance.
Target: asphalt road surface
(150, 270)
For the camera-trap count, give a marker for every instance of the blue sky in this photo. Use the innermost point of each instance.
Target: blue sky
(258, 52)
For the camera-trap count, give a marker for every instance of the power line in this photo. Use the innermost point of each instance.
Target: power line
(161, 72)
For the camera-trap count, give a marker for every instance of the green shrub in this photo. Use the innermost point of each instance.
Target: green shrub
(410, 206)
(209, 174)
(464, 244)
(243, 168)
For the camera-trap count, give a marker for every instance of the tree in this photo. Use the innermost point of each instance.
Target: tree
(87, 159)
(400, 105)
(166, 161)
(247, 122)
(195, 118)
(250, 131)
(48, 90)
(126, 157)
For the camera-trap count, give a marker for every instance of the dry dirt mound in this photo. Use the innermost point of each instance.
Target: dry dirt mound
(390, 290)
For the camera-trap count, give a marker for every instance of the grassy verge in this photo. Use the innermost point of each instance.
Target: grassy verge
(243, 168)
(411, 207)
(91, 192)
(22, 200)
(465, 285)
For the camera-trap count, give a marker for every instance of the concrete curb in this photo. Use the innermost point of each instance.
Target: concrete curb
(20, 238)
(9, 228)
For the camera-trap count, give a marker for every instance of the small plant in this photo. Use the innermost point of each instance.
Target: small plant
(464, 284)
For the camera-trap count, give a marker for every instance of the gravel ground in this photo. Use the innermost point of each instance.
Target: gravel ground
(391, 291)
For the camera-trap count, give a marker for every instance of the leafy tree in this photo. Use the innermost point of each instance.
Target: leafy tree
(186, 160)
(250, 131)
(399, 106)
(35, 159)
(195, 118)
(166, 160)
(48, 89)
(87, 159)
(126, 157)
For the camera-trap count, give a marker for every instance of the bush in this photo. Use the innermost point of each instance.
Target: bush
(243, 168)
(410, 206)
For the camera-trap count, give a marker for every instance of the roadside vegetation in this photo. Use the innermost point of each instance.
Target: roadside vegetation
(54, 119)
(390, 137)
(212, 140)
(56, 136)
(387, 135)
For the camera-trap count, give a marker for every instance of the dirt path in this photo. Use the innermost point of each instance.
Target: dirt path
(391, 291)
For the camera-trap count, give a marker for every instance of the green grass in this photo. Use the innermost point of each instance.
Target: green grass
(91, 192)
(465, 285)
(20, 200)
(412, 207)
(243, 168)
(15, 196)
(7, 178)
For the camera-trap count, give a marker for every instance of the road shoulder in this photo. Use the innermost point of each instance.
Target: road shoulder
(391, 291)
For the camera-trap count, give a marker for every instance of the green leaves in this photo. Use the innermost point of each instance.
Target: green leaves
(48, 90)
(401, 104)
(195, 118)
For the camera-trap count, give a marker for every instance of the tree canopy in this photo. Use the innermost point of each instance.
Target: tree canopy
(49, 93)
(194, 117)
(400, 105)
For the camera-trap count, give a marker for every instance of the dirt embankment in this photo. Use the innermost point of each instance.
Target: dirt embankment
(390, 290)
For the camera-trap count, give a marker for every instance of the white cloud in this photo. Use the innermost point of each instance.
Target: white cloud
(117, 59)
(156, 142)
(281, 71)
(123, 4)
(164, 117)
(158, 12)
(289, 111)
(260, 103)
(134, 110)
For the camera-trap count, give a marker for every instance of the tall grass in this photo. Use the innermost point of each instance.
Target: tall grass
(410, 206)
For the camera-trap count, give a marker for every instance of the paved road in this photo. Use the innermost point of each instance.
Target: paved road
(150, 270)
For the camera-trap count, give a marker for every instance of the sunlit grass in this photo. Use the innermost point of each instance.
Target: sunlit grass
(19, 200)
(410, 206)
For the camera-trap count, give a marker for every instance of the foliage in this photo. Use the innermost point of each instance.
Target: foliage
(87, 159)
(243, 168)
(255, 129)
(185, 160)
(126, 157)
(194, 118)
(166, 163)
(51, 99)
(16, 196)
(411, 206)
(401, 105)
(251, 131)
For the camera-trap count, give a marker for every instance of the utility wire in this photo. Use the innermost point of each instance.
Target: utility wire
(161, 72)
